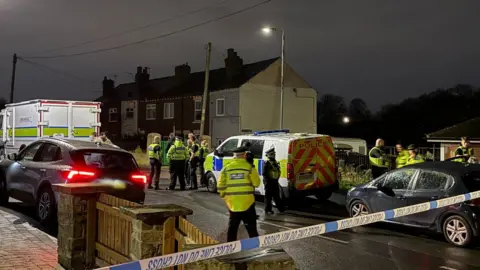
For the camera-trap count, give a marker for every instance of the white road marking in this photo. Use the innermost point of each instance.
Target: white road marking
(319, 236)
(447, 268)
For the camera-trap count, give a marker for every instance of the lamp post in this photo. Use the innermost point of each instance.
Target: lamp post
(269, 30)
(346, 119)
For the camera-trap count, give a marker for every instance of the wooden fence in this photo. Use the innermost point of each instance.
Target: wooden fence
(114, 232)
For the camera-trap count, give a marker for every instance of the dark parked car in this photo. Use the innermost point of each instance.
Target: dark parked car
(28, 175)
(420, 183)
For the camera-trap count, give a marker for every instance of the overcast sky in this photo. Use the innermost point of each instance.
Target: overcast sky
(381, 51)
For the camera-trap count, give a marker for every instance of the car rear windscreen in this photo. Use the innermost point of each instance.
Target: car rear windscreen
(471, 181)
(105, 160)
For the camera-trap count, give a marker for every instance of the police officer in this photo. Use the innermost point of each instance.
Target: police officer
(177, 154)
(155, 162)
(271, 174)
(414, 158)
(194, 159)
(402, 156)
(203, 153)
(236, 185)
(378, 159)
(464, 150)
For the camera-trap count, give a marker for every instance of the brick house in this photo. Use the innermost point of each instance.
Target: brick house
(448, 138)
(169, 104)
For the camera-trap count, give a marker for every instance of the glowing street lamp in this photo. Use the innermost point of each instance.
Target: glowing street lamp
(268, 31)
(346, 119)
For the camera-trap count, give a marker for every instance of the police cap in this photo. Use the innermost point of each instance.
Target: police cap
(270, 151)
(412, 147)
(241, 149)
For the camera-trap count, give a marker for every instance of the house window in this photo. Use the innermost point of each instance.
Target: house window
(198, 111)
(151, 111)
(129, 112)
(168, 111)
(220, 108)
(112, 115)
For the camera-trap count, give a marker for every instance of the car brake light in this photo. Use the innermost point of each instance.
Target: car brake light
(137, 177)
(290, 171)
(77, 175)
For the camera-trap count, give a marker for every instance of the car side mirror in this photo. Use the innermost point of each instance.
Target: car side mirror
(12, 156)
(218, 153)
(386, 190)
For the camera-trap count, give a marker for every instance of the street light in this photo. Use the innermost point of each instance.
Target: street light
(346, 120)
(269, 30)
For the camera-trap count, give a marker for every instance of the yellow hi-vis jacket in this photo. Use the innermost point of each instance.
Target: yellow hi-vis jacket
(237, 183)
(178, 151)
(381, 161)
(151, 151)
(464, 151)
(402, 158)
(414, 160)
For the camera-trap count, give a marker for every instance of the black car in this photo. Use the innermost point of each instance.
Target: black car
(28, 176)
(421, 183)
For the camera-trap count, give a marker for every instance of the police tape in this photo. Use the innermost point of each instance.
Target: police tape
(223, 249)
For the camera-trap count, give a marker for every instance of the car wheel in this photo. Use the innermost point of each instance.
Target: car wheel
(3, 192)
(457, 231)
(358, 208)
(211, 183)
(46, 206)
(323, 194)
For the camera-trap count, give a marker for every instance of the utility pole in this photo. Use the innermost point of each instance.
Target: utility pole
(282, 78)
(205, 89)
(12, 84)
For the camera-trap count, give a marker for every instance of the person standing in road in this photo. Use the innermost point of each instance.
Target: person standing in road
(203, 153)
(154, 154)
(236, 185)
(194, 159)
(177, 154)
(378, 159)
(414, 158)
(402, 156)
(271, 174)
(464, 151)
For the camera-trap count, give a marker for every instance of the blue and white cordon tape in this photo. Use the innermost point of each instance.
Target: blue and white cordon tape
(223, 249)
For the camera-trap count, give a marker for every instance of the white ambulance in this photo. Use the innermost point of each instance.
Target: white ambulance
(307, 161)
(24, 122)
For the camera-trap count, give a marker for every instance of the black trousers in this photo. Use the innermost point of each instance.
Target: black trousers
(272, 192)
(155, 170)
(187, 171)
(193, 172)
(249, 219)
(177, 171)
(378, 171)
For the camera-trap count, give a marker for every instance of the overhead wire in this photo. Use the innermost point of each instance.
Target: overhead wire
(184, 14)
(151, 38)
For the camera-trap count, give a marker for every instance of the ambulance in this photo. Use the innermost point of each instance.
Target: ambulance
(24, 122)
(307, 162)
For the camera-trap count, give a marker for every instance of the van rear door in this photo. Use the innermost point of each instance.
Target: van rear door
(313, 162)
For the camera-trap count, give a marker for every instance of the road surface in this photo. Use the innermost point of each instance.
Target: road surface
(380, 246)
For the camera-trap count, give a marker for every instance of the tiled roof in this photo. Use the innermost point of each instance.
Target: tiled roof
(193, 85)
(470, 128)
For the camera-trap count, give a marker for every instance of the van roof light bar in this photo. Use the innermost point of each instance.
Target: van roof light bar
(271, 131)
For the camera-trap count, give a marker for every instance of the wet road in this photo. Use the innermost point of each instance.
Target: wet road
(380, 246)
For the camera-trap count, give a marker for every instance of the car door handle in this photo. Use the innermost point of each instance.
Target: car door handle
(43, 170)
(23, 168)
(434, 198)
(401, 197)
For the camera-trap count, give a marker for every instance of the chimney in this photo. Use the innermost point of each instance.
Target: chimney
(182, 72)
(233, 65)
(142, 76)
(108, 87)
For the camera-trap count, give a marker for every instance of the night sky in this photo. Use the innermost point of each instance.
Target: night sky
(381, 51)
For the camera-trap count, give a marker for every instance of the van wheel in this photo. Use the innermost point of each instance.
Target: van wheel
(45, 208)
(211, 183)
(3, 192)
(457, 231)
(323, 194)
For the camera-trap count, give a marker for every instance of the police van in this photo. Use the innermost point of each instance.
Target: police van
(307, 161)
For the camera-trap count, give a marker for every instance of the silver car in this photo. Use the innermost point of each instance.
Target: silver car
(28, 176)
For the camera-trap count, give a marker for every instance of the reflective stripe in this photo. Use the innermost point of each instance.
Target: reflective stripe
(240, 193)
(240, 185)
